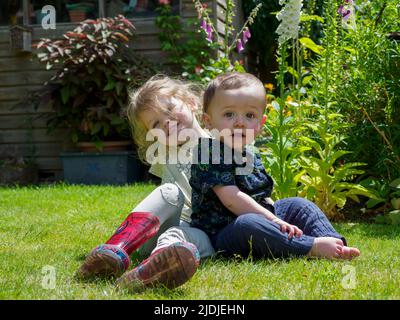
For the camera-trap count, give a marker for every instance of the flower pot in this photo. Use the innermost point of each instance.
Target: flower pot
(107, 146)
(102, 168)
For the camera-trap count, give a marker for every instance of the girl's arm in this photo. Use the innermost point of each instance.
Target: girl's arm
(240, 203)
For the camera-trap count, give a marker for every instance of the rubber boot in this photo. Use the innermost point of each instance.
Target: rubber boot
(112, 258)
(170, 267)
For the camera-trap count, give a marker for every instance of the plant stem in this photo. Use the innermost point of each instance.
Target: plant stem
(281, 83)
(381, 133)
(227, 21)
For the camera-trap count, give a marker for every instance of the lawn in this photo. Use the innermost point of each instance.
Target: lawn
(46, 231)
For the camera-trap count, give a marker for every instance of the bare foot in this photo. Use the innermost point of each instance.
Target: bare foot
(326, 247)
(349, 253)
(332, 248)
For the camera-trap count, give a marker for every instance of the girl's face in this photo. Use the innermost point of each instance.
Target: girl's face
(176, 117)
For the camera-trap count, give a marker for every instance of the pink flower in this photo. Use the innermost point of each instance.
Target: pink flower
(204, 25)
(165, 2)
(246, 35)
(209, 32)
(239, 46)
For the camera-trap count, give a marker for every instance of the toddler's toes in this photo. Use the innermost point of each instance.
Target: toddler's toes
(339, 242)
(349, 253)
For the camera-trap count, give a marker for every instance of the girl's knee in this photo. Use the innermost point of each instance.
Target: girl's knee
(171, 194)
(171, 235)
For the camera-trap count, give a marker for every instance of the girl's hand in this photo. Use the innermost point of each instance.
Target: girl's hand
(291, 229)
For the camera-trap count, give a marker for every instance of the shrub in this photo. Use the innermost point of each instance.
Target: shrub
(94, 70)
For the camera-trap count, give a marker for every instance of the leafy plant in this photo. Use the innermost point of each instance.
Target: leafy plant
(94, 70)
(231, 40)
(282, 152)
(185, 45)
(365, 71)
(307, 134)
(326, 179)
(388, 197)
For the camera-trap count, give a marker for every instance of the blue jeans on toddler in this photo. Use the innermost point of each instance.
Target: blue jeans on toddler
(254, 234)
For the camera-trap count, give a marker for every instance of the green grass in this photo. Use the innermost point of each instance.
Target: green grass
(58, 225)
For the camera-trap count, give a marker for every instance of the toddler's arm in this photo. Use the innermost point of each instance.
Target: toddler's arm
(240, 203)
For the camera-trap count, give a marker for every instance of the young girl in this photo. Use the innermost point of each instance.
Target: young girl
(232, 208)
(168, 106)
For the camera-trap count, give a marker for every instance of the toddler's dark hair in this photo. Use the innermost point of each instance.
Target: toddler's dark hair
(228, 81)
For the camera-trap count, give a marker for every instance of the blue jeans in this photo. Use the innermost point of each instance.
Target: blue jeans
(253, 234)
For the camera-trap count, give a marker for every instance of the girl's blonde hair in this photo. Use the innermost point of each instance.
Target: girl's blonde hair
(149, 97)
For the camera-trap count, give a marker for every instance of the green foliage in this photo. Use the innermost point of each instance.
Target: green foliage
(384, 192)
(192, 48)
(216, 67)
(186, 46)
(282, 153)
(358, 74)
(232, 39)
(94, 70)
(263, 42)
(365, 71)
(308, 146)
(325, 178)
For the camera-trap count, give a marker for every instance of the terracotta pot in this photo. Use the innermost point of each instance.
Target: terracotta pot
(77, 16)
(108, 146)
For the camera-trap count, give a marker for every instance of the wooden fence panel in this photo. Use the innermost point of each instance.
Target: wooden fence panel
(23, 129)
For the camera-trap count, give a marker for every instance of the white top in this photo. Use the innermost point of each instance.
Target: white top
(178, 174)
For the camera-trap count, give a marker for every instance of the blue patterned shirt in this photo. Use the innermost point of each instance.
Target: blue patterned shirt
(209, 214)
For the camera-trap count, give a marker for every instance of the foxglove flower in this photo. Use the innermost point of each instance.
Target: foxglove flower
(209, 32)
(290, 20)
(239, 45)
(346, 11)
(246, 35)
(203, 25)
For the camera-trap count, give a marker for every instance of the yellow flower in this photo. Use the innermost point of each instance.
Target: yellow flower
(269, 86)
(289, 99)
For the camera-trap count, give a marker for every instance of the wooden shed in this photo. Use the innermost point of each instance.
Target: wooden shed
(22, 132)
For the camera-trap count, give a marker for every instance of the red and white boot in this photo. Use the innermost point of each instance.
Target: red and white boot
(112, 258)
(170, 267)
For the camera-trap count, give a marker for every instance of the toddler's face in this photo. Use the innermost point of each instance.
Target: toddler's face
(237, 114)
(171, 121)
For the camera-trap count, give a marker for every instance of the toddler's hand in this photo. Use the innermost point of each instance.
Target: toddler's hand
(291, 229)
